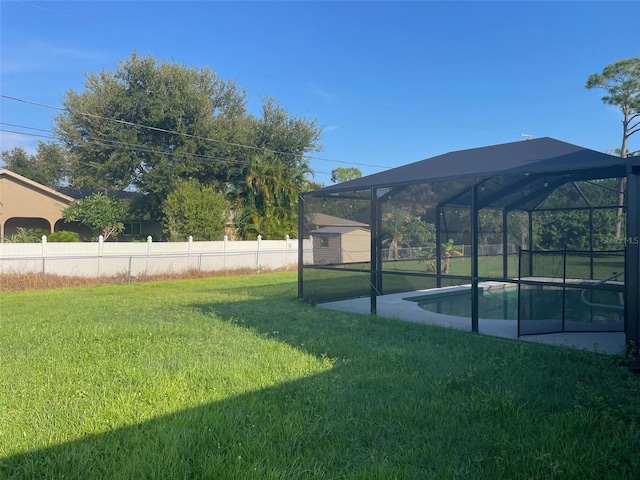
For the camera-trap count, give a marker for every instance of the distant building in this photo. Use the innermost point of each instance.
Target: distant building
(351, 244)
(28, 204)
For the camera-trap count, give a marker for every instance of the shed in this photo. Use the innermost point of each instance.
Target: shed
(334, 245)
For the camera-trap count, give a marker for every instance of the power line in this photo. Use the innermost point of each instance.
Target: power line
(139, 148)
(288, 80)
(25, 127)
(28, 134)
(196, 137)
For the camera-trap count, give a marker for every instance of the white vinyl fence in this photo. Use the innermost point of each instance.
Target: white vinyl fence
(134, 259)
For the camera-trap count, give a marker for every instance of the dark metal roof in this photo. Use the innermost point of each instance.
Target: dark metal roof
(80, 193)
(537, 156)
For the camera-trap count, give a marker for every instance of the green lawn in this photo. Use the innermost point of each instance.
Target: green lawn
(234, 378)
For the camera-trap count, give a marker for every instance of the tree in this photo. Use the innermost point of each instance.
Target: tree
(266, 194)
(621, 81)
(449, 250)
(101, 213)
(341, 174)
(195, 210)
(150, 123)
(404, 227)
(565, 222)
(266, 204)
(49, 166)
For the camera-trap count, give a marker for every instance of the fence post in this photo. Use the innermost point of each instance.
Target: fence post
(190, 240)
(44, 254)
(286, 251)
(100, 246)
(225, 239)
(146, 263)
(259, 239)
(564, 286)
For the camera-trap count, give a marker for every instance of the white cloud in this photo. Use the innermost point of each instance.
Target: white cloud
(10, 140)
(67, 52)
(36, 55)
(323, 94)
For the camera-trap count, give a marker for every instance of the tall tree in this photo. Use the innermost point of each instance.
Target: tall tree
(621, 81)
(341, 174)
(149, 124)
(266, 193)
(266, 204)
(48, 166)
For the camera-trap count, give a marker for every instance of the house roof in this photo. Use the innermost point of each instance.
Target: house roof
(38, 186)
(80, 193)
(513, 175)
(68, 194)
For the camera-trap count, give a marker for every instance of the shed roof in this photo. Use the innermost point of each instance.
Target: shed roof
(339, 230)
(322, 219)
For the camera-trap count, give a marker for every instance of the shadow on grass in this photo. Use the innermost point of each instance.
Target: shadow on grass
(288, 431)
(402, 400)
(329, 425)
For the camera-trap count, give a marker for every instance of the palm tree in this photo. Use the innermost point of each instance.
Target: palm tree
(267, 201)
(449, 250)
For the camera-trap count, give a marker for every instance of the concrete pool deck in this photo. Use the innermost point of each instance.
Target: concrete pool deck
(397, 307)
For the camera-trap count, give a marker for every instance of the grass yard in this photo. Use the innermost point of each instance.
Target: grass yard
(234, 378)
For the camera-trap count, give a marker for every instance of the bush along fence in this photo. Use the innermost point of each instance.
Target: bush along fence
(111, 259)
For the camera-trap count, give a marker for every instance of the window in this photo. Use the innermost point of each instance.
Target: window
(324, 241)
(131, 228)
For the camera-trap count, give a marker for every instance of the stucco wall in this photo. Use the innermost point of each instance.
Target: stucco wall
(21, 198)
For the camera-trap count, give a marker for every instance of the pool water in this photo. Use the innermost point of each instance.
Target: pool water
(502, 304)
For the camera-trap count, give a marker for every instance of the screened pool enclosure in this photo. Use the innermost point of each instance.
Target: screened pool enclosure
(540, 233)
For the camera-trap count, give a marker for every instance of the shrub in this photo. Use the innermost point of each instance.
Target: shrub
(64, 236)
(24, 235)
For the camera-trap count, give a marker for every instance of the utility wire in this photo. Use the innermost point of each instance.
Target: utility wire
(28, 134)
(140, 148)
(197, 137)
(24, 127)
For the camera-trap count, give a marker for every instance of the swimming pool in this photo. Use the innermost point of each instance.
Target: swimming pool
(502, 304)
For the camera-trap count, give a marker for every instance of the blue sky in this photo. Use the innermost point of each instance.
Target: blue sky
(390, 82)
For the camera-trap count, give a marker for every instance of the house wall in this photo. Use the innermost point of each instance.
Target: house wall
(22, 201)
(28, 204)
(356, 246)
